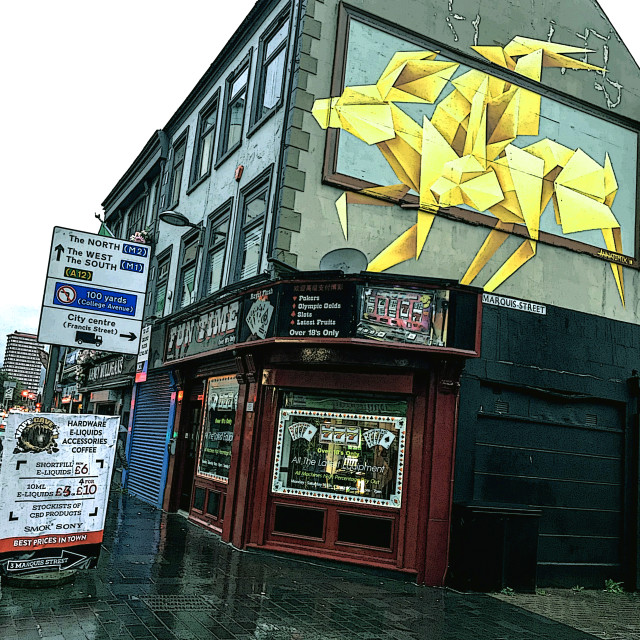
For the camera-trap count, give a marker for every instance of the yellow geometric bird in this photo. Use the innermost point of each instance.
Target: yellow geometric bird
(464, 154)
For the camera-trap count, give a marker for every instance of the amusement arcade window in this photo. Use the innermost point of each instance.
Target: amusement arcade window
(341, 448)
(221, 401)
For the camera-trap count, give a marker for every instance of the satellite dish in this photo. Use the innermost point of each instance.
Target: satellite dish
(345, 260)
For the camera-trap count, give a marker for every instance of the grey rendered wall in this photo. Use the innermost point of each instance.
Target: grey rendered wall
(555, 276)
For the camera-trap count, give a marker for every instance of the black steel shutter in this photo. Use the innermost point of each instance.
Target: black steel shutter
(564, 456)
(148, 454)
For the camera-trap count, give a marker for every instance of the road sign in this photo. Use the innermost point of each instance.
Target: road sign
(95, 292)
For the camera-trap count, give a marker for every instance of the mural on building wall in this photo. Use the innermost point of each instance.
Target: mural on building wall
(467, 139)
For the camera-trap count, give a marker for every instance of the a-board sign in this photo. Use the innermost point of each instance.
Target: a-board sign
(95, 292)
(54, 485)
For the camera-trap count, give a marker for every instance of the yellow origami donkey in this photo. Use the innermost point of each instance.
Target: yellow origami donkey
(464, 153)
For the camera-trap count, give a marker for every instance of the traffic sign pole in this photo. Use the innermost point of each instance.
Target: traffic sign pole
(50, 380)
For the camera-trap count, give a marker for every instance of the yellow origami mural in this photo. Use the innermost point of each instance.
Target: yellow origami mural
(463, 154)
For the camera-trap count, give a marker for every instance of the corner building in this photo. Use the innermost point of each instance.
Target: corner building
(392, 304)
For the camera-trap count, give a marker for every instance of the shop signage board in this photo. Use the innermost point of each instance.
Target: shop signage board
(54, 485)
(316, 310)
(404, 315)
(259, 315)
(349, 457)
(212, 329)
(95, 292)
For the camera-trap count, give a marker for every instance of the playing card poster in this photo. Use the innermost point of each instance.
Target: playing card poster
(258, 315)
(54, 484)
(340, 456)
(221, 402)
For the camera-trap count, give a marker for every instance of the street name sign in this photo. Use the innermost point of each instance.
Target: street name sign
(54, 485)
(95, 292)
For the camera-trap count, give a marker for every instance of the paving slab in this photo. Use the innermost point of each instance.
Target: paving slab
(161, 577)
(605, 615)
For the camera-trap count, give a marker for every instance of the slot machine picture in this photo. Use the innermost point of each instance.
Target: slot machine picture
(403, 315)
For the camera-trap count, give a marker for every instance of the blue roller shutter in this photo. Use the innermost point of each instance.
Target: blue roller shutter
(152, 424)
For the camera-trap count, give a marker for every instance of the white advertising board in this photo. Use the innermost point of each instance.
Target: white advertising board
(54, 485)
(143, 354)
(95, 292)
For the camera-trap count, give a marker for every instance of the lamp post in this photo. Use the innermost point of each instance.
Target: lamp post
(176, 219)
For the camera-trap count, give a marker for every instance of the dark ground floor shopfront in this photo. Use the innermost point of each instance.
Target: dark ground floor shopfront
(338, 447)
(548, 436)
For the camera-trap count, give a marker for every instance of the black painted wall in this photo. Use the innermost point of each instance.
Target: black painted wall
(547, 420)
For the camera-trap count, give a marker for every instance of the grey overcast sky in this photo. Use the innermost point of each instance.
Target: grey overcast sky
(84, 85)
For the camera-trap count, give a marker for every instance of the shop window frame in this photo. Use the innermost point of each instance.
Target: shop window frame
(392, 522)
(213, 477)
(303, 507)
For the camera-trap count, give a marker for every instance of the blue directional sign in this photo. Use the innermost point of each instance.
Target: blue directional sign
(91, 299)
(140, 250)
(132, 265)
(95, 292)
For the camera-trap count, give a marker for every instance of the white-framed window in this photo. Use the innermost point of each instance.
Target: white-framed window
(205, 141)
(272, 57)
(254, 201)
(234, 108)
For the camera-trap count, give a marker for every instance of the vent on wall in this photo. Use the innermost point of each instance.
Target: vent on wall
(591, 420)
(502, 406)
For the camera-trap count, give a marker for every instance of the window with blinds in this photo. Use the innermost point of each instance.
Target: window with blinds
(253, 215)
(218, 233)
(137, 214)
(161, 285)
(187, 281)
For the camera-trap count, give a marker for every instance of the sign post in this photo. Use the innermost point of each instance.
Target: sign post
(54, 482)
(95, 292)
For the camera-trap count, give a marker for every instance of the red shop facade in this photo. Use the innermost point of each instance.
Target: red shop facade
(317, 416)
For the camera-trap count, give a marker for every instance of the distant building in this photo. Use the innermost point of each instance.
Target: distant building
(21, 359)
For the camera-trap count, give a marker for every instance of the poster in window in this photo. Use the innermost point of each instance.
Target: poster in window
(221, 401)
(340, 456)
(404, 315)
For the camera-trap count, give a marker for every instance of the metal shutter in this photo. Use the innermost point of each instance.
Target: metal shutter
(152, 424)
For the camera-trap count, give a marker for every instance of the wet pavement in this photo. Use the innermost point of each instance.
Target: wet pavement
(161, 577)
